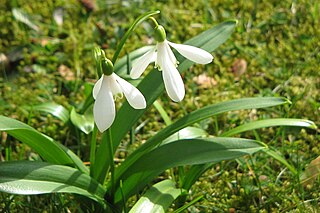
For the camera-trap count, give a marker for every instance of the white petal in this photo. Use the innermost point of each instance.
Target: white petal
(97, 87)
(192, 53)
(104, 110)
(114, 86)
(170, 53)
(133, 95)
(171, 76)
(141, 63)
(162, 56)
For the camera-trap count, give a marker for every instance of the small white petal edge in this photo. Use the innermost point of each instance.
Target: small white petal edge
(97, 87)
(104, 110)
(192, 53)
(133, 95)
(171, 77)
(140, 65)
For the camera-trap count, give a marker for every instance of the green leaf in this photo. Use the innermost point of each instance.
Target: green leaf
(45, 146)
(196, 171)
(196, 116)
(281, 159)
(56, 110)
(186, 133)
(84, 122)
(270, 123)
(181, 153)
(23, 17)
(152, 87)
(162, 112)
(29, 178)
(158, 198)
(193, 174)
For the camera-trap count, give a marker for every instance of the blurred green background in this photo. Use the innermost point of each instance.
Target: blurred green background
(46, 56)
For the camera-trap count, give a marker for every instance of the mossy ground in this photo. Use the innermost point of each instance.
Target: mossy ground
(274, 51)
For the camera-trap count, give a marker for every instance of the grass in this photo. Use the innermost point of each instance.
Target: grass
(273, 52)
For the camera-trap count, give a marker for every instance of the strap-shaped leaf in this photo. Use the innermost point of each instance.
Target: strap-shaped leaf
(180, 153)
(196, 116)
(158, 198)
(55, 109)
(45, 146)
(84, 121)
(28, 178)
(197, 170)
(270, 123)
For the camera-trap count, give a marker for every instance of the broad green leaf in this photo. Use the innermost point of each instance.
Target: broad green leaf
(152, 86)
(32, 177)
(270, 123)
(186, 133)
(181, 153)
(45, 146)
(23, 17)
(196, 116)
(56, 110)
(84, 122)
(196, 171)
(158, 198)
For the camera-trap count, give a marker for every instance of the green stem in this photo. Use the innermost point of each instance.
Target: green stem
(111, 153)
(93, 145)
(154, 21)
(138, 21)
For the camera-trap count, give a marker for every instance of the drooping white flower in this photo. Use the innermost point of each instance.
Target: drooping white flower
(108, 86)
(166, 62)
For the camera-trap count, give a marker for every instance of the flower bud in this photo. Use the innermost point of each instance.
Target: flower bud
(107, 66)
(99, 57)
(159, 33)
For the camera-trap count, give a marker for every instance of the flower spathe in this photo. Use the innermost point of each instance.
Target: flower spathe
(108, 86)
(166, 62)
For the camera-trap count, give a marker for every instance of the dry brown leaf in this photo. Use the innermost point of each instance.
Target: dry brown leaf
(205, 81)
(66, 72)
(312, 172)
(239, 67)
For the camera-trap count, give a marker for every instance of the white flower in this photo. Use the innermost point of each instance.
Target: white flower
(166, 62)
(104, 110)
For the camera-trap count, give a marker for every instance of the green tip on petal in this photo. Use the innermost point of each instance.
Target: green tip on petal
(107, 66)
(159, 33)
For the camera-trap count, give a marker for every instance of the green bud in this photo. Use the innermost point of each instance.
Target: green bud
(107, 66)
(159, 33)
(99, 57)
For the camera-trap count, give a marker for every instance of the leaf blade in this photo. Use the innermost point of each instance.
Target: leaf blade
(180, 153)
(158, 198)
(45, 146)
(27, 178)
(270, 123)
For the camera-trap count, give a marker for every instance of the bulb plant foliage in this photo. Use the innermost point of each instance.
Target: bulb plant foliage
(109, 186)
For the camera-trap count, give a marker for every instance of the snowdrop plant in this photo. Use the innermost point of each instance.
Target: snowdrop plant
(166, 62)
(110, 186)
